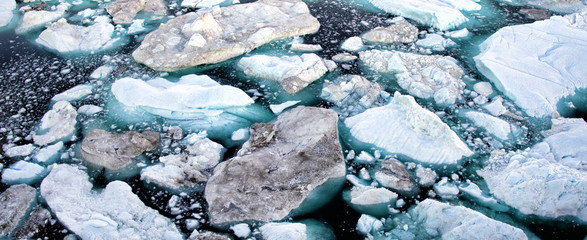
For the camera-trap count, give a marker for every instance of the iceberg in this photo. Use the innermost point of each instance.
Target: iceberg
(425, 76)
(496, 127)
(23, 172)
(217, 34)
(113, 213)
(63, 37)
(403, 127)
(75, 93)
(49, 154)
(537, 64)
(441, 14)
(352, 94)
(352, 44)
(18, 151)
(370, 200)
(34, 20)
(308, 229)
(6, 12)
(58, 124)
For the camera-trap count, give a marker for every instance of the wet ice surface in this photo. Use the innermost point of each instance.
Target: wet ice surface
(33, 79)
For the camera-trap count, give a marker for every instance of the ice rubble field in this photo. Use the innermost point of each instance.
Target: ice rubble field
(290, 119)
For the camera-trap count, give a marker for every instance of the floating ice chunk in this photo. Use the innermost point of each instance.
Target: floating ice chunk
(123, 11)
(445, 189)
(58, 124)
(192, 96)
(471, 190)
(403, 127)
(19, 151)
(49, 154)
(435, 42)
(278, 231)
(14, 204)
(497, 127)
(240, 134)
(559, 6)
(207, 235)
(89, 109)
(425, 76)
(368, 224)
(400, 31)
(204, 3)
(352, 94)
(566, 141)
(23, 172)
(6, 9)
(241, 230)
(426, 176)
(546, 64)
(227, 32)
(300, 47)
(293, 72)
(344, 57)
(483, 88)
(278, 108)
(67, 38)
(137, 27)
(393, 174)
(364, 158)
(458, 34)
(495, 107)
(114, 213)
(33, 20)
(441, 14)
(102, 72)
(441, 220)
(370, 200)
(352, 44)
(76, 93)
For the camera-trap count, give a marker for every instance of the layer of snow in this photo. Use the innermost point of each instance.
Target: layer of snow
(403, 127)
(537, 64)
(75, 93)
(192, 96)
(113, 213)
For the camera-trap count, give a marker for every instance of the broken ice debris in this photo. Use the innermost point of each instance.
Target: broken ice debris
(113, 213)
(537, 64)
(36, 220)
(123, 11)
(37, 19)
(220, 33)
(441, 14)
(425, 76)
(401, 31)
(75, 93)
(49, 154)
(352, 94)
(63, 37)
(115, 151)
(403, 127)
(58, 124)
(288, 167)
(293, 72)
(15, 202)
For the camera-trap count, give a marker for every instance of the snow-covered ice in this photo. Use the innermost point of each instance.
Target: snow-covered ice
(63, 37)
(58, 124)
(23, 172)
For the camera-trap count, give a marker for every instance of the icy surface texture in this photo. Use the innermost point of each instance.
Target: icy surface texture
(75, 93)
(457, 222)
(401, 31)
(537, 64)
(123, 11)
(425, 76)
(547, 180)
(496, 127)
(36, 221)
(115, 151)
(14, 204)
(221, 33)
(441, 14)
(67, 38)
(23, 172)
(280, 166)
(293, 72)
(58, 124)
(353, 94)
(113, 213)
(36, 19)
(403, 127)
(6, 12)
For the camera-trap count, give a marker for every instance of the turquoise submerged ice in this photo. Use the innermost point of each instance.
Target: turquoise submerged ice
(191, 97)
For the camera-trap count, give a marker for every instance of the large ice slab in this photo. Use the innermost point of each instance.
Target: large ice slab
(403, 127)
(457, 222)
(289, 167)
(14, 203)
(113, 213)
(293, 72)
(441, 14)
(218, 34)
(548, 180)
(426, 76)
(67, 38)
(537, 64)
(58, 124)
(6, 12)
(36, 19)
(192, 96)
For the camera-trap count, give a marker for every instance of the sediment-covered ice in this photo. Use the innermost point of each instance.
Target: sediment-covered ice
(441, 220)
(426, 76)
(191, 97)
(288, 167)
(63, 37)
(6, 12)
(14, 204)
(401, 31)
(218, 34)
(537, 64)
(547, 180)
(293, 72)
(113, 213)
(441, 14)
(37, 19)
(393, 175)
(58, 124)
(123, 11)
(403, 127)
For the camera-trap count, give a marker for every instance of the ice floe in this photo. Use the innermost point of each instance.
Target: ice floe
(401, 31)
(123, 11)
(63, 37)
(15, 202)
(36, 19)
(58, 124)
(6, 12)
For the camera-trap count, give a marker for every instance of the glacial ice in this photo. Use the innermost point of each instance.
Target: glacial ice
(23, 172)
(278, 108)
(205, 3)
(370, 200)
(34, 20)
(496, 127)
(352, 94)
(293, 72)
(400, 31)
(301, 47)
(442, 220)
(392, 174)
(15, 202)
(403, 127)
(435, 42)
(102, 72)
(123, 11)
(115, 212)
(241, 230)
(34, 224)
(49, 154)
(539, 180)
(58, 124)
(63, 37)
(6, 12)
(537, 64)
(446, 189)
(308, 229)
(441, 14)
(18, 151)
(89, 109)
(425, 76)
(558, 6)
(352, 44)
(76, 93)
(220, 33)
(368, 224)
